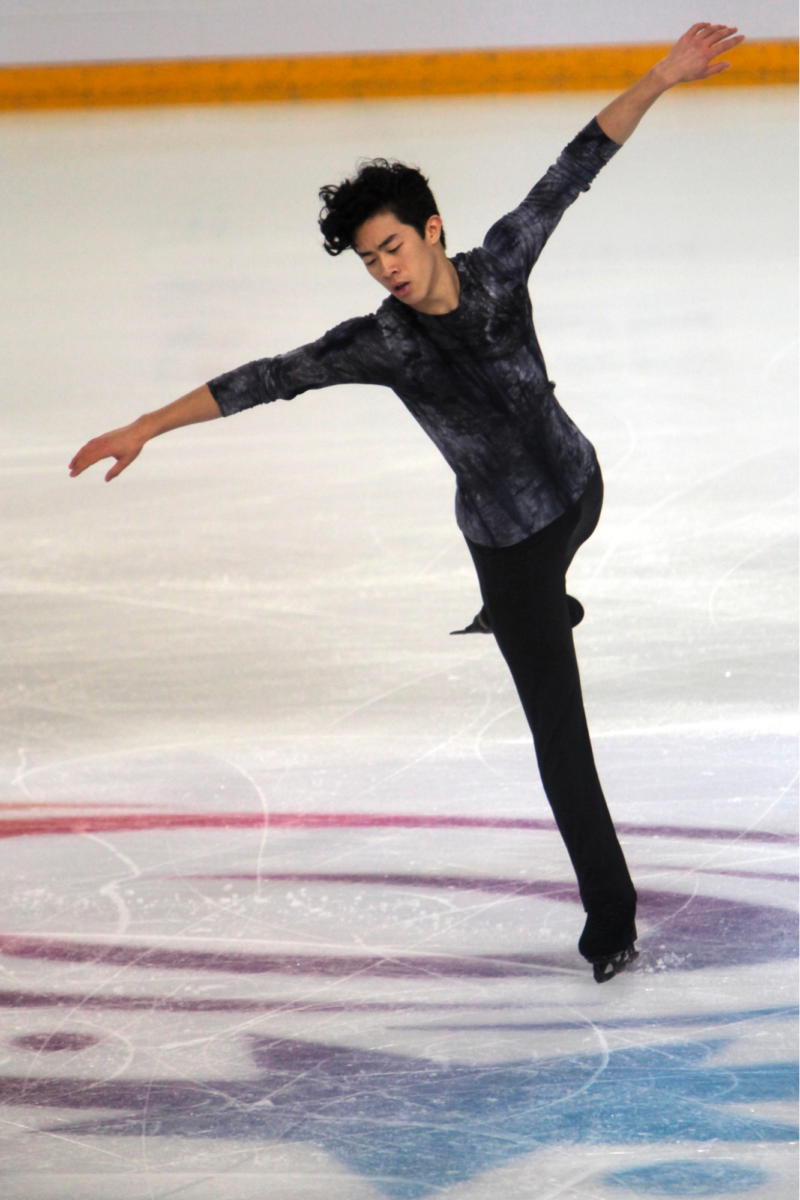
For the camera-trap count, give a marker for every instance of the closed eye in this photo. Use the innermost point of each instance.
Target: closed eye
(370, 262)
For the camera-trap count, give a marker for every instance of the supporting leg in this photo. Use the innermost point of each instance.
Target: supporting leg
(523, 588)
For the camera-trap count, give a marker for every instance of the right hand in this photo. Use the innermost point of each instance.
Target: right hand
(122, 444)
(125, 444)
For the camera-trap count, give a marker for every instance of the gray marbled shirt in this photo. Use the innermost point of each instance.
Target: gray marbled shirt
(474, 378)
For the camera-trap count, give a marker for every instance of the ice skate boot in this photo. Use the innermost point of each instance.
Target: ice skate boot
(478, 624)
(608, 940)
(606, 968)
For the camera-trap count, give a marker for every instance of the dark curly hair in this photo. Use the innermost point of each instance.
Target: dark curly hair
(378, 186)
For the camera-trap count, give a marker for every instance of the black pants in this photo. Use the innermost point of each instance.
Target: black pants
(524, 591)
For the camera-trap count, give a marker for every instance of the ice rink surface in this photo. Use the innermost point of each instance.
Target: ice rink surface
(284, 913)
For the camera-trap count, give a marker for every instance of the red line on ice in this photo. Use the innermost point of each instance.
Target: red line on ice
(144, 822)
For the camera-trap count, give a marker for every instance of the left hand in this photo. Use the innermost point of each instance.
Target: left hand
(690, 57)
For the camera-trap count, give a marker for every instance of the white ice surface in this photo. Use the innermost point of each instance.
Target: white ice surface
(253, 620)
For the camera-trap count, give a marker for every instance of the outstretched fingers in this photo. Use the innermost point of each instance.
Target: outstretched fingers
(716, 34)
(89, 454)
(728, 44)
(718, 39)
(721, 47)
(124, 450)
(691, 57)
(706, 30)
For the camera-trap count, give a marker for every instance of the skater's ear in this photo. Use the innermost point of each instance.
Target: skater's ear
(434, 231)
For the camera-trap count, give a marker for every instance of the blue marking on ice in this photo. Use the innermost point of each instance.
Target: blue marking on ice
(649, 1022)
(688, 1178)
(413, 1126)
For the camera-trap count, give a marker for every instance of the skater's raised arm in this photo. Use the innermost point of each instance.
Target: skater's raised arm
(126, 444)
(519, 237)
(688, 61)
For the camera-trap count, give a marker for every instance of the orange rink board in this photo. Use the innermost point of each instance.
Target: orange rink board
(336, 77)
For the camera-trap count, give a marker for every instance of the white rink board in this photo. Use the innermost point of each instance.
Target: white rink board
(283, 912)
(38, 31)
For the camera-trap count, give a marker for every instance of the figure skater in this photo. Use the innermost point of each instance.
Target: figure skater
(455, 341)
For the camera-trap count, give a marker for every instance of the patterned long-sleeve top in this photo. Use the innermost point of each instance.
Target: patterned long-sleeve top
(474, 378)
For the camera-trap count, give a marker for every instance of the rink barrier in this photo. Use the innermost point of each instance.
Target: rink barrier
(362, 76)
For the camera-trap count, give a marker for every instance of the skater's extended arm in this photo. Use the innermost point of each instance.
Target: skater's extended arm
(126, 444)
(352, 352)
(518, 238)
(688, 61)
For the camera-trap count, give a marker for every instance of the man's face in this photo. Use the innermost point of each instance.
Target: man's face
(398, 258)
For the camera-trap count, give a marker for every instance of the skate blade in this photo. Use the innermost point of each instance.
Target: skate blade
(607, 968)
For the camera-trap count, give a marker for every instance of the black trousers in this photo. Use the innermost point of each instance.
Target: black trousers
(524, 591)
